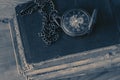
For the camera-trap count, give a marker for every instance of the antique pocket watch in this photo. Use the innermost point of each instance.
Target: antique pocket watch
(74, 22)
(77, 22)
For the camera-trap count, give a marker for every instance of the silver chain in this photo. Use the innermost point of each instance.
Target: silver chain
(50, 28)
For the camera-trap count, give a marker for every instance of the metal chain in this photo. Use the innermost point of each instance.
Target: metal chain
(50, 27)
(49, 32)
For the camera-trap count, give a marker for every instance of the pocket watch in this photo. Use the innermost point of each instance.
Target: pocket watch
(77, 22)
(74, 22)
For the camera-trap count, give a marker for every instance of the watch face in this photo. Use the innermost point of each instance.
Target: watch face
(75, 22)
